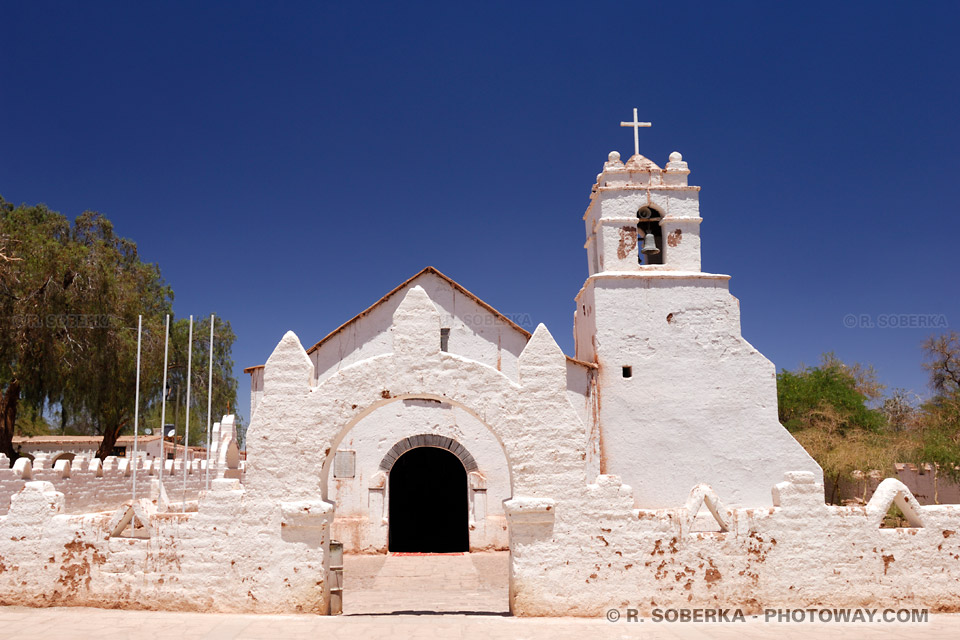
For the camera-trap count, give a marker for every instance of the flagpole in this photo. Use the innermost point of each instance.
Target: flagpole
(136, 408)
(163, 412)
(209, 403)
(186, 428)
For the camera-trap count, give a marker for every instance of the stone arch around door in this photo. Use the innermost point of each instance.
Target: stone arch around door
(428, 440)
(475, 485)
(362, 490)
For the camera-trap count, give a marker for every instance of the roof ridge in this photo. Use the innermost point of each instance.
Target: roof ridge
(425, 270)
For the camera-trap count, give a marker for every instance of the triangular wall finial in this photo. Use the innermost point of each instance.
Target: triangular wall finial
(416, 325)
(288, 369)
(542, 363)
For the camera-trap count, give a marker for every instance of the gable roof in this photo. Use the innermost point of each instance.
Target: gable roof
(453, 283)
(419, 274)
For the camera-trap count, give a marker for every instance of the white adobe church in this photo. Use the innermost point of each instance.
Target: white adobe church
(665, 391)
(647, 471)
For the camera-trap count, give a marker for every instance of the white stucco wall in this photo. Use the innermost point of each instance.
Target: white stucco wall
(475, 332)
(90, 485)
(577, 547)
(701, 406)
(362, 502)
(797, 553)
(701, 403)
(232, 554)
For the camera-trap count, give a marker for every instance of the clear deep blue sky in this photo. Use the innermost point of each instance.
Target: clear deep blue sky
(289, 163)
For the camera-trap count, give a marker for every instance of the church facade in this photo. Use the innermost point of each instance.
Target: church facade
(665, 391)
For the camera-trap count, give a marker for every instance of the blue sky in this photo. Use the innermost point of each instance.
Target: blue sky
(288, 163)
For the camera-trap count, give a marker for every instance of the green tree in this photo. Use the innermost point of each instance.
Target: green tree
(833, 391)
(826, 409)
(938, 439)
(115, 287)
(939, 430)
(70, 297)
(30, 421)
(38, 272)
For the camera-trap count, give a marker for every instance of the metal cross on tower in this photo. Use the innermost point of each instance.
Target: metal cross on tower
(636, 131)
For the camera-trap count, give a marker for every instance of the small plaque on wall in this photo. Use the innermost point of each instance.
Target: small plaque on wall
(345, 464)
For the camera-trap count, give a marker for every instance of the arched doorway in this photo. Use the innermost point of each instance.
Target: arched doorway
(428, 502)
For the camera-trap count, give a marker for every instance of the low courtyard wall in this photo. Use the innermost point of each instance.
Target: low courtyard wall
(580, 554)
(213, 559)
(593, 552)
(89, 484)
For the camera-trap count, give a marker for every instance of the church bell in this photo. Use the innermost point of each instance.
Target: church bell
(649, 245)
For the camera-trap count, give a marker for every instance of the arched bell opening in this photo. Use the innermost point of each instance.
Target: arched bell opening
(649, 236)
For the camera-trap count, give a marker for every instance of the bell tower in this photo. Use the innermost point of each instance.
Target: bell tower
(682, 398)
(643, 218)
